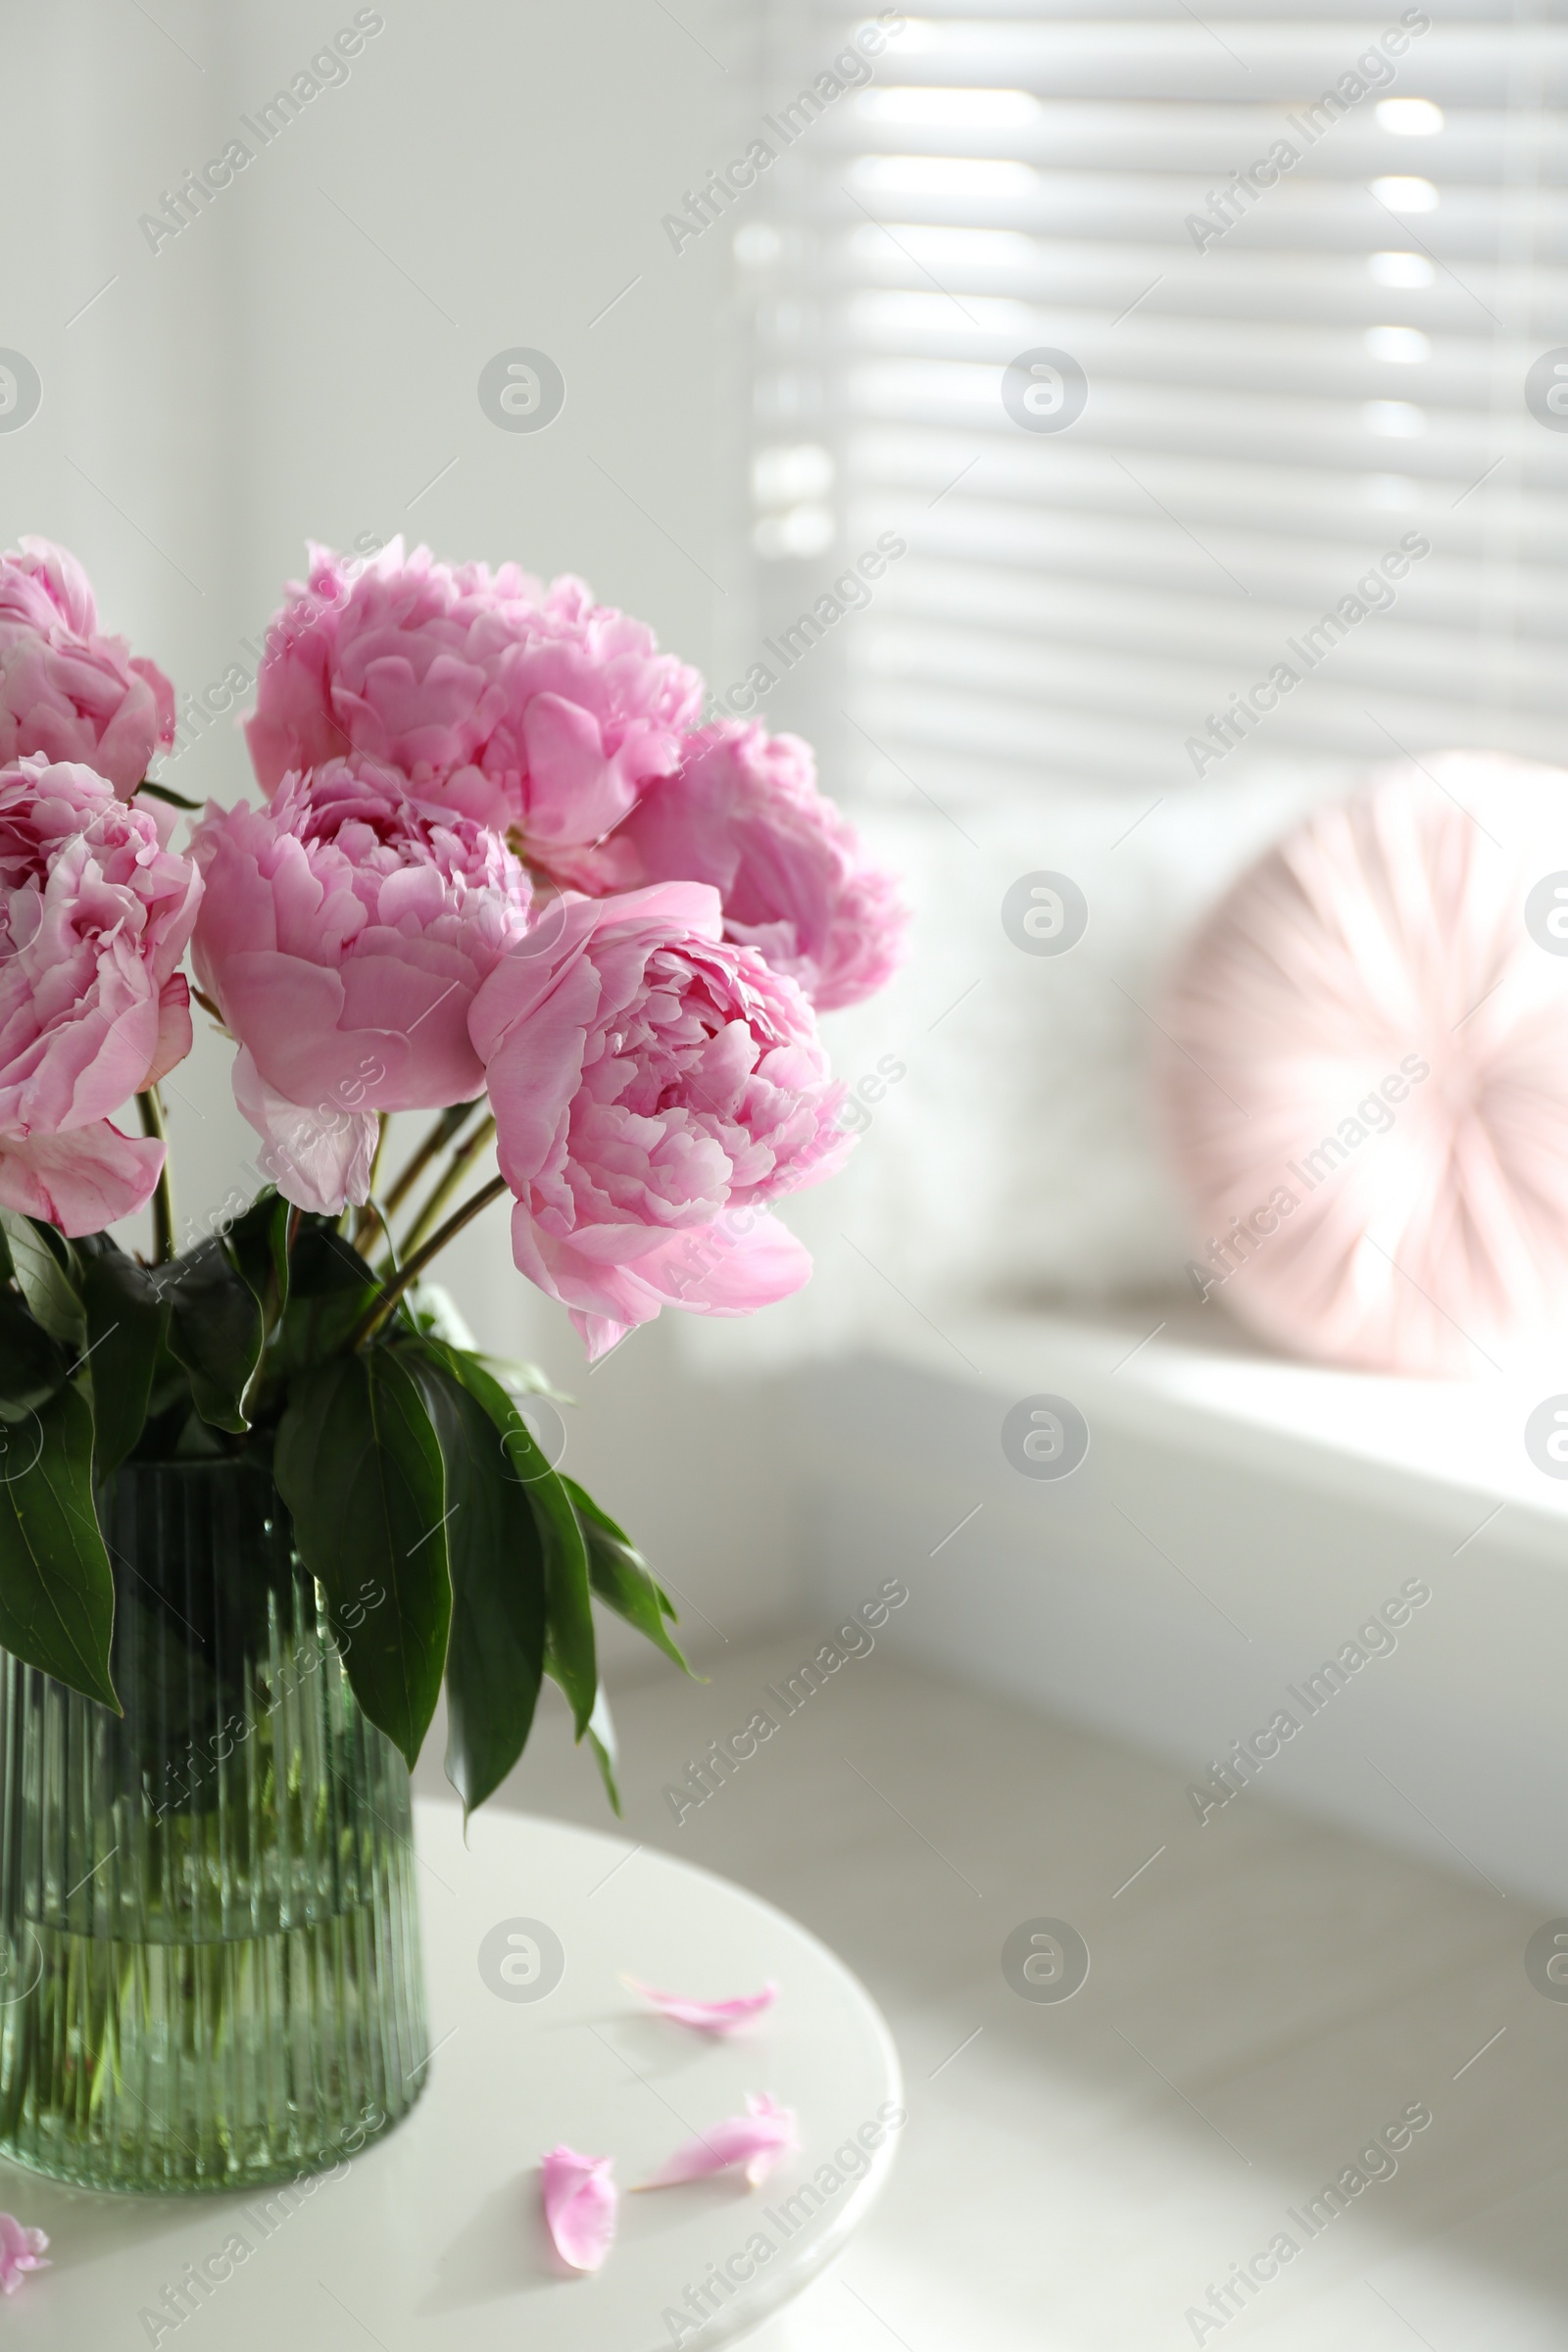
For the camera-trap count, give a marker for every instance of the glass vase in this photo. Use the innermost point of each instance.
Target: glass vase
(209, 1933)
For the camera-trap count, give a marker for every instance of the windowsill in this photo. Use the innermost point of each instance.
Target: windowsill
(1171, 1372)
(1237, 1518)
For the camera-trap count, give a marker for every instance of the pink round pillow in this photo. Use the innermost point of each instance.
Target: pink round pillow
(1368, 1092)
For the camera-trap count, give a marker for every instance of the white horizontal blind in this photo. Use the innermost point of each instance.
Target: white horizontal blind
(1271, 406)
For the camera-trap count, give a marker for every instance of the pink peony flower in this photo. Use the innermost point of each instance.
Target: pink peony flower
(95, 915)
(66, 692)
(743, 812)
(652, 1085)
(343, 934)
(520, 706)
(20, 2251)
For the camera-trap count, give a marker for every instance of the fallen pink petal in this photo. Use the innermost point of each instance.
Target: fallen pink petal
(580, 2202)
(707, 2017)
(754, 2141)
(20, 2251)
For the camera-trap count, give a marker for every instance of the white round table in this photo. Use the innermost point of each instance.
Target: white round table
(432, 2236)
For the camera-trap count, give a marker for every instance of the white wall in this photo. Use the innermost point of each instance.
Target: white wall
(280, 371)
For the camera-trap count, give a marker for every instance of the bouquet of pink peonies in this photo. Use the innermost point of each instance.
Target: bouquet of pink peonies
(494, 874)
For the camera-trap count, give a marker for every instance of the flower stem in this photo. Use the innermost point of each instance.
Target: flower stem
(435, 1142)
(391, 1291)
(462, 1160)
(152, 1124)
(369, 1214)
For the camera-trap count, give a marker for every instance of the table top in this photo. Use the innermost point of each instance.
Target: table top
(434, 2236)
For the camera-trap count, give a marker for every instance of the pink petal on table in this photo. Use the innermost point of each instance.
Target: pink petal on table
(579, 2200)
(21, 2250)
(709, 2017)
(755, 2140)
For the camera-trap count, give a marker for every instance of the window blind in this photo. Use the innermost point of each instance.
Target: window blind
(1298, 278)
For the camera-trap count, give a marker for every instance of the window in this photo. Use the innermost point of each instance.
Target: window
(1276, 296)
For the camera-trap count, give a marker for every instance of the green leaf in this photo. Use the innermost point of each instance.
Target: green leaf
(125, 1324)
(280, 1257)
(607, 1752)
(565, 1555)
(495, 1657)
(258, 1243)
(39, 1258)
(318, 1330)
(215, 1329)
(330, 1286)
(521, 1379)
(360, 1468)
(167, 792)
(599, 1731)
(32, 1366)
(324, 1259)
(621, 1576)
(56, 1589)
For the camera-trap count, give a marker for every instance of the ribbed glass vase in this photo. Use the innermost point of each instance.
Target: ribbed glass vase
(209, 1933)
